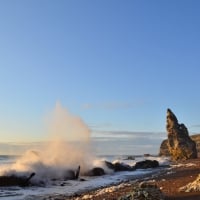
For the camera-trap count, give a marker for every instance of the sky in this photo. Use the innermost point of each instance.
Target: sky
(118, 65)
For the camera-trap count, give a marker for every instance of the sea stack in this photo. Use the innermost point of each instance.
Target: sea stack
(180, 145)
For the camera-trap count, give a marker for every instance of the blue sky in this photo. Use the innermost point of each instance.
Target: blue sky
(117, 64)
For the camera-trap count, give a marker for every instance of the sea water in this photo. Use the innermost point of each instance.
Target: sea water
(70, 187)
(71, 144)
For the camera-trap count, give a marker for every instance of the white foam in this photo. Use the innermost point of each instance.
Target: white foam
(68, 148)
(71, 186)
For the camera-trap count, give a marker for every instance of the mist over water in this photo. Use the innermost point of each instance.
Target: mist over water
(68, 147)
(64, 125)
(70, 139)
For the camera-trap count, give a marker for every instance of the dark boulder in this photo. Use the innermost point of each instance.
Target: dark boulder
(71, 174)
(96, 171)
(129, 158)
(110, 165)
(147, 164)
(14, 180)
(77, 172)
(122, 167)
(118, 166)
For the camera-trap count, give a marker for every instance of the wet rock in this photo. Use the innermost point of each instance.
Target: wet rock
(143, 191)
(110, 165)
(71, 174)
(129, 158)
(180, 145)
(96, 171)
(122, 167)
(147, 164)
(14, 180)
(77, 172)
(118, 166)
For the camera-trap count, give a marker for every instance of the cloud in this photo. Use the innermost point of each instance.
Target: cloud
(129, 134)
(127, 142)
(104, 142)
(112, 105)
(195, 126)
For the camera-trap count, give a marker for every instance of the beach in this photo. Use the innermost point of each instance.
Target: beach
(168, 182)
(167, 179)
(43, 186)
(184, 173)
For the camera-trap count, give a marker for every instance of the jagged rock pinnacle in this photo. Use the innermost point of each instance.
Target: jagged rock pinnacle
(180, 145)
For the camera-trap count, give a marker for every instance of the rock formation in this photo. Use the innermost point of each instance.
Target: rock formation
(164, 150)
(146, 164)
(180, 145)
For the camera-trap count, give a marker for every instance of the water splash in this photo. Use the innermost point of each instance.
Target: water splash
(68, 147)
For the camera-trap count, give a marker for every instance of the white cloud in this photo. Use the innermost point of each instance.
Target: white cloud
(130, 134)
(106, 142)
(112, 105)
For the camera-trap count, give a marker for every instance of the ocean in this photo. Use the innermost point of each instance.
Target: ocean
(53, 188)
(72, 144)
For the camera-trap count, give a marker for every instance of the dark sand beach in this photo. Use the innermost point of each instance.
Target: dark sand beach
(180, 176)
(168, 182)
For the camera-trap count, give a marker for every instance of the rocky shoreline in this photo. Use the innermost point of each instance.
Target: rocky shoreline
(181, 181)
(166, 185)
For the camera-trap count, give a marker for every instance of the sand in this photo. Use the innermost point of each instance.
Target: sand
(178, 177)
(167, 182)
